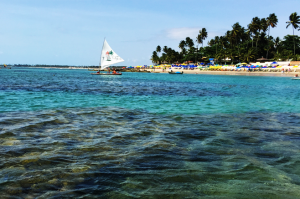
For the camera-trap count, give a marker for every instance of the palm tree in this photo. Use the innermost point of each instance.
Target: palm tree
(262, 26)
(294, 21)
(277, 43)
(165, 49)
(158, 49)
(203, 35)
(183, 51)
(251, 54)
(199, 39)
(219, 55)
(236, 33)
(217, 40)
(271, 22)
(245, 37)
(211, 42)
(155, 58)
(223, 53)
(189, 42)
(223, 41)
(255, 25)
(182, 44)
(251, 31)
(229, 38)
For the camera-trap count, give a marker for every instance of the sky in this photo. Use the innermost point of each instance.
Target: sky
(71, 32)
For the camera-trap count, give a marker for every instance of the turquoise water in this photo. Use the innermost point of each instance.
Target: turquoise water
(39, 89)
(66, 133)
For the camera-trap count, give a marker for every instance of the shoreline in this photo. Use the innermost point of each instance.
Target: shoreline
(201, 72)
(242, 73)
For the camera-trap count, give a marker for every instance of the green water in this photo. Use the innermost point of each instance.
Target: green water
(68, 134)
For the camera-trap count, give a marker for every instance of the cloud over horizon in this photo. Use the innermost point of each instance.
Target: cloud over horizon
(182, 33)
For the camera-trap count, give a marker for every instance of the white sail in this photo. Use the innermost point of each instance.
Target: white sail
(108, 56)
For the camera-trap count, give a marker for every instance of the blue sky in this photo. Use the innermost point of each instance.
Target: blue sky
(71, 32)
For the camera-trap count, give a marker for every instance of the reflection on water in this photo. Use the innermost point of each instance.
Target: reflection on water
(119, 153)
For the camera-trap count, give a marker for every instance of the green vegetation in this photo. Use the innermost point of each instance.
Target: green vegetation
(239, 44)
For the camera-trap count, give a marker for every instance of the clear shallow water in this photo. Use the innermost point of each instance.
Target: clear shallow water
(39, 89)
(68, 133)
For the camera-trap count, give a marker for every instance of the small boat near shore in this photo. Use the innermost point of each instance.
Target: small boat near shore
(176, 73)
(296, 78)
(108, 57)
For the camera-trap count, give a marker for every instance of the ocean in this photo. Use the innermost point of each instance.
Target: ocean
(68, 134)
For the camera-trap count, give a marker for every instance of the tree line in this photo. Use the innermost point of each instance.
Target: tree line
(239, 44)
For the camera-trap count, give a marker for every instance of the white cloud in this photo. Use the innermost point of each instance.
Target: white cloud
(182, 33)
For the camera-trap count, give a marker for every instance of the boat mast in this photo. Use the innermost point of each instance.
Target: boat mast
(101, 55)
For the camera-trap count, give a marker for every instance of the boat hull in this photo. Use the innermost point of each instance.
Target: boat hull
(105, 74)
(296, 78)
(172, 73)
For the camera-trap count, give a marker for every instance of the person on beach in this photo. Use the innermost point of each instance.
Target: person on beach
(296, 75)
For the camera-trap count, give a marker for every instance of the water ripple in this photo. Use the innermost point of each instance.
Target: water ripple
(120, 153)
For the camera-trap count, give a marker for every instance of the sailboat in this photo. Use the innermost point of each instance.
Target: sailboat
(108, 57)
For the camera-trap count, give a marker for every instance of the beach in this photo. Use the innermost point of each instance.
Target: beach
(245, 73)
(197, 72)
